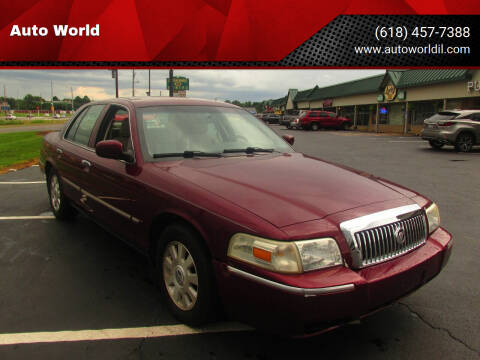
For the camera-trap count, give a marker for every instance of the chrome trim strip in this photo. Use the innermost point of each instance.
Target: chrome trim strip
(291, 289)
(72, 184)
(104, 203)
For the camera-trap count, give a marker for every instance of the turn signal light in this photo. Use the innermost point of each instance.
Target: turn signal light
(262, 254)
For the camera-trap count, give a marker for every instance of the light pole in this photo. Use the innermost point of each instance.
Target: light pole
(133, 83)
(170, 84)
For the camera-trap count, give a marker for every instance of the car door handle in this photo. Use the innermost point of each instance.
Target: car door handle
(86, 163)
(59, 151)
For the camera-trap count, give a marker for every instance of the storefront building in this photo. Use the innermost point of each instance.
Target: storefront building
(397, 101)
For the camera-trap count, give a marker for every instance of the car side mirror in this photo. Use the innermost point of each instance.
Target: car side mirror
(112, 149)
(289, 139)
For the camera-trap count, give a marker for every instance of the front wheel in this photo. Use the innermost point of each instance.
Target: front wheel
(464, 142)
(185, 275)
(437, 145)
(59, 203)
(314, 127)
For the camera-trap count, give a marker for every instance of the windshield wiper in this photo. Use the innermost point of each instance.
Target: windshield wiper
(187, 154)
(248, 150)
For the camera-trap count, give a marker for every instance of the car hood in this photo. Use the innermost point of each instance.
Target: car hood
(284, 189)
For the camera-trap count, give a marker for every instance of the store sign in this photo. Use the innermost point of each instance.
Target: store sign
(473, 85)
(390, 92)
(380, 97)
(402, 95)
(179, 83)
(327, 103)
(180, 93)
(383, 110)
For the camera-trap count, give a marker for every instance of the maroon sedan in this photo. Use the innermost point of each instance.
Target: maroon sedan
(203, 189)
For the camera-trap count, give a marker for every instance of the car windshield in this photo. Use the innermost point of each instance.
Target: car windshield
(444, 115)
(176, 130)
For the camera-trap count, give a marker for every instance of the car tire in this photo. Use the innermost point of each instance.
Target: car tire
(314, 127)
(59, 203)
(437, 145)
(464, 142)
(187, 285)
(289, 127)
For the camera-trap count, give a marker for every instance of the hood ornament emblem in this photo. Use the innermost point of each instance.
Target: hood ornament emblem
(399, 235)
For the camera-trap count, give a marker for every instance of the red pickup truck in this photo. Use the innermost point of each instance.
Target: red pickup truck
(315, 119)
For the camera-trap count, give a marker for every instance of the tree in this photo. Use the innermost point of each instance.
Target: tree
(77, 102)
(55, 98)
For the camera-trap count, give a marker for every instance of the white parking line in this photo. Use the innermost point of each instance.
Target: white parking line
(114, 334)
(39, 217)
(21, 182)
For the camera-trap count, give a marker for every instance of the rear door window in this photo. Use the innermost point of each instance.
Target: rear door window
(81, 130)
(444, 115)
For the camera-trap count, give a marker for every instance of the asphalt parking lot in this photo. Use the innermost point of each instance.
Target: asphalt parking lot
(71, 290)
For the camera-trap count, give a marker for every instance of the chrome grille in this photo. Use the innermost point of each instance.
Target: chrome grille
(385, 242)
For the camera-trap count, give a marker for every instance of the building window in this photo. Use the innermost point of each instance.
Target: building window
(363, 115)
(383, 112)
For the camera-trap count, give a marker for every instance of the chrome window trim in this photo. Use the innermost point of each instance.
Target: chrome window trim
(370, 221)
(306, 292)
(131, 134)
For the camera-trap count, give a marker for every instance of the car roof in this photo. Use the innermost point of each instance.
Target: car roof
(145, 101)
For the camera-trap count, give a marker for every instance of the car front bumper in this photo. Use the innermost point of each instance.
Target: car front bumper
(313, 302)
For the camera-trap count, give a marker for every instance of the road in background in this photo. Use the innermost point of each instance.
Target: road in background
(24, 128)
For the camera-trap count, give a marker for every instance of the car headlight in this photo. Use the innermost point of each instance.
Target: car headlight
(285, 257)
(433, 217)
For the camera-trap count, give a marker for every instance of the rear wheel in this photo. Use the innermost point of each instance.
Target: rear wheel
(464, 142)
(185, 276)
(59, 203)
(314, 127)
(435, 144)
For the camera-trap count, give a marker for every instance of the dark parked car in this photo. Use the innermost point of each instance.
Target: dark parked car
(203, 190)
(271, 118)
(460, 128)
(316, 119)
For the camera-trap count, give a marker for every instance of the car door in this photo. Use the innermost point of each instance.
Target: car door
(323, 119)
(112, 184)
(73, 149)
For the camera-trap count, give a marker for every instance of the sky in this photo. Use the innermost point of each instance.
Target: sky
(219, 84)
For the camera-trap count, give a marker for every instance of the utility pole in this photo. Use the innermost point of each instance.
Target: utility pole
(149, 89)
(170, 83)
(5, 98)
(115, 76)
(116, 83)
(133, 82)
(52, 109)
(71, 89)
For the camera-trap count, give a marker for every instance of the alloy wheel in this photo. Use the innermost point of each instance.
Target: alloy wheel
(55, 194)
(180, 275)
(465, 142)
